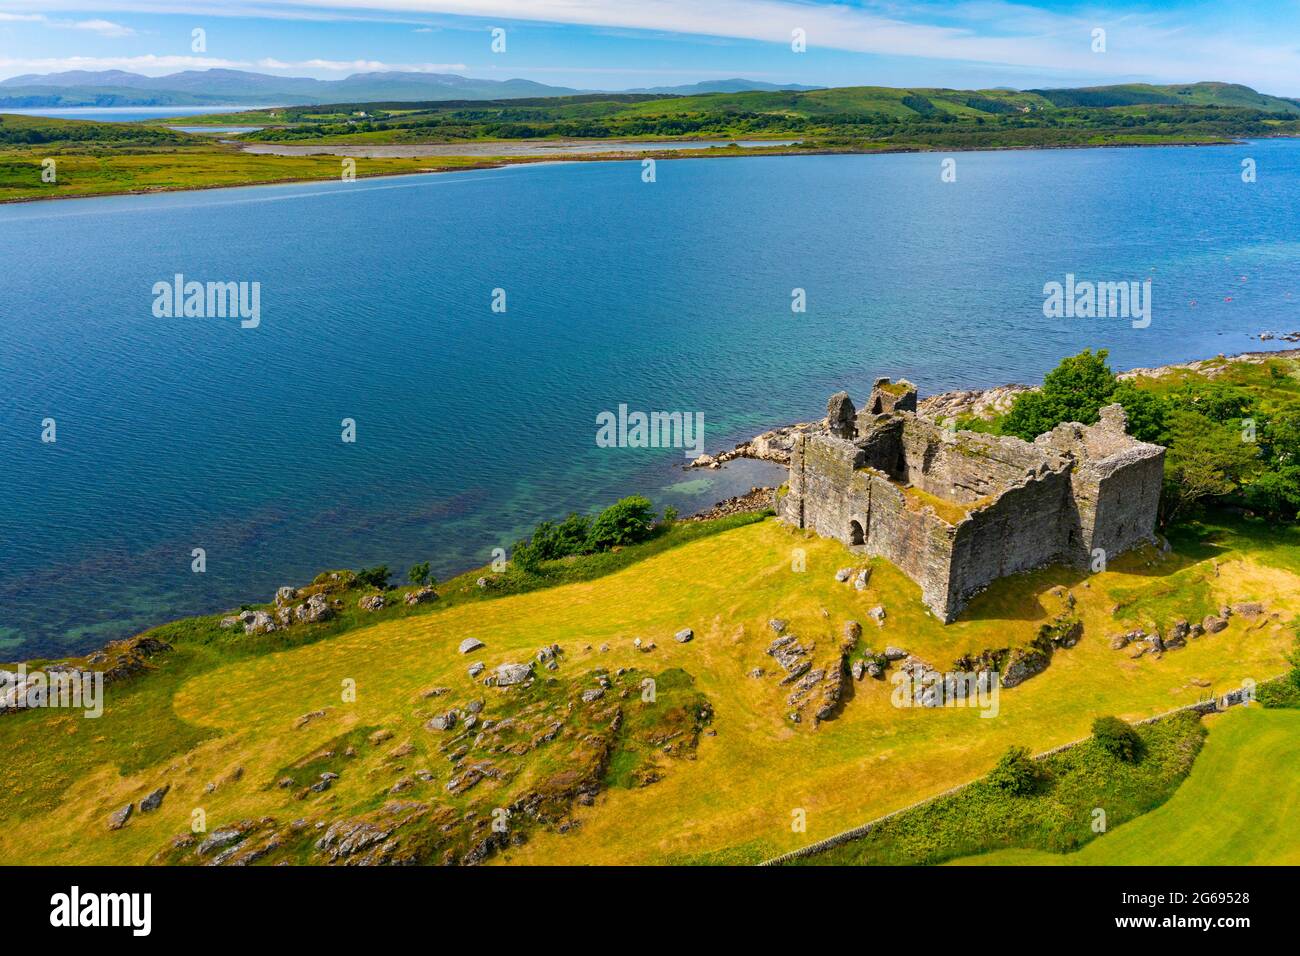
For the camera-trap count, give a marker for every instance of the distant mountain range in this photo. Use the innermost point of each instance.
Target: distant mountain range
(82, 88)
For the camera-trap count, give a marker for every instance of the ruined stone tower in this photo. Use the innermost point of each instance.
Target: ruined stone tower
(956, 510)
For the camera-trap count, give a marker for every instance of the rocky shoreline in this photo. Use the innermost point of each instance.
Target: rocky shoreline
(774, 445)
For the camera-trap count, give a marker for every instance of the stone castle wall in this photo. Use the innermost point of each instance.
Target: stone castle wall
(988, 506)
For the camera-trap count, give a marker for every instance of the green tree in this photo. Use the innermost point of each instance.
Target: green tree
(1015, 772)
(627, 521)
(1074, 391)
(1205, 460)
(419, 573)
(1146, 411)
(1276, 491)
(376, 577)
(524, 557)
(1117, 738)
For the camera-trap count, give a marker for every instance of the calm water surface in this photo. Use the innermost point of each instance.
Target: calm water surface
(183, 433)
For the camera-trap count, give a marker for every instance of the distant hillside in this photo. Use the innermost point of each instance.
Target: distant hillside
(238, 87)
(1193, 94)
(722, 86)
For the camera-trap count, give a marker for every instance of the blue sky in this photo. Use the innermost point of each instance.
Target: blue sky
(615, 44)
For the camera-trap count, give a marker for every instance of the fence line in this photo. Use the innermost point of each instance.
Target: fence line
(1210, 705)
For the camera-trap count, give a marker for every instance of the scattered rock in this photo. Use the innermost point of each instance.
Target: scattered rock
(590, 696)
(843, 574)
(371, 602)
(1213, 625)
(257, 622)
(117, 819)
(442, 721)
(470, 644)
(877, 614)
(684, 635)
(316, 609)
(154, 800)
(1025, 662)
(1178, 634)
(777, 625)
(509, 674)
(379, 736)
(860, 582)
(422, 596)
(305, 719)
(1249, 609)
(476, 668)
(894, 653)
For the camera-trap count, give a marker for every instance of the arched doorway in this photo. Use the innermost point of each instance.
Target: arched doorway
(856, 535)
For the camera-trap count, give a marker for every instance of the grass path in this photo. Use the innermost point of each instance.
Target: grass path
(1239, 806)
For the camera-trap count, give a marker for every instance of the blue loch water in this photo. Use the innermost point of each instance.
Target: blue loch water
(176, 433)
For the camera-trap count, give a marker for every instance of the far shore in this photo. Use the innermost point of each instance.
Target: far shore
(787, 148)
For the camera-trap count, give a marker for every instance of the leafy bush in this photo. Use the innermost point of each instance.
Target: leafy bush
(1205, 460)
(419, 573)
(1074, 391)
(627, 521)
(1015, 772)
(525, 557)
(1284, 692)
(570, 536)
(1117, 738)
(376, 577)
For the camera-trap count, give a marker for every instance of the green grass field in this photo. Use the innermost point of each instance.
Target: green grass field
(222, 701)
(1239, 806)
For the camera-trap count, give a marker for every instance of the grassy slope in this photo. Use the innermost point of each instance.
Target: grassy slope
(1057, 815)
(104, 173)
(208, 711)
(1240, 806)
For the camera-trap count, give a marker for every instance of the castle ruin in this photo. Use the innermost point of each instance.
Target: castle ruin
(956, 510)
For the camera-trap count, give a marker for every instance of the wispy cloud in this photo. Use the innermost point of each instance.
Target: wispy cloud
(105, 28)
(1170, 44)
(361, 66)
(154, 64)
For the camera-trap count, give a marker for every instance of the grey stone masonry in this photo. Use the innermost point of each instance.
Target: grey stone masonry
(956, 510)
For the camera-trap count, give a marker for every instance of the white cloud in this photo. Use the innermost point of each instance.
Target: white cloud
(1011, 35)
(106, 28)
(375, 66)
(152, 64)
(146, 63)
(103, 27)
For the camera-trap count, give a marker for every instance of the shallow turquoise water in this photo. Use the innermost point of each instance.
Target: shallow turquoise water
(177, 433)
